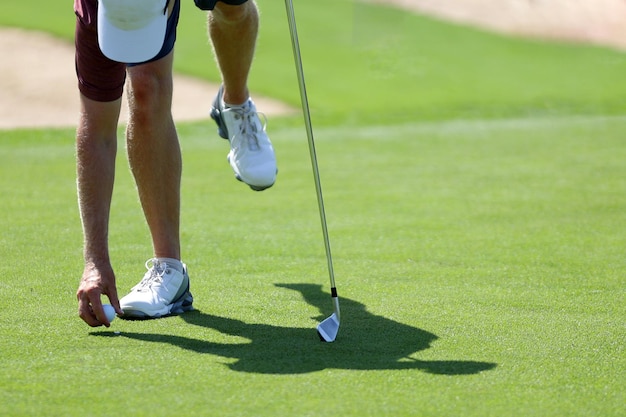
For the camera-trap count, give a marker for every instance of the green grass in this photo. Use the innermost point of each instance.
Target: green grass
(480, 268)
(478, 238)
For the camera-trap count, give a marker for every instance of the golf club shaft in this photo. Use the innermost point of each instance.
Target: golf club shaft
(309, 132)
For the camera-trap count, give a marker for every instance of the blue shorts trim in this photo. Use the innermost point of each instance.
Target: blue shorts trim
(170, 35)
(210, 4)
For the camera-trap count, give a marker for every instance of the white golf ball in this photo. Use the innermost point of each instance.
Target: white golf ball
(109, 311)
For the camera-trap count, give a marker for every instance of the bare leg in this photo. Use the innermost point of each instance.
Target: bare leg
(96, 148)
(154, 152)
(233, 31)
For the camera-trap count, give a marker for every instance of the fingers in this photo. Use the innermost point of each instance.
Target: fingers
(90, 310)
(98, 311)
(93, 284)
(115, 302)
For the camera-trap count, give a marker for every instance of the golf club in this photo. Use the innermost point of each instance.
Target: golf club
(329, 327)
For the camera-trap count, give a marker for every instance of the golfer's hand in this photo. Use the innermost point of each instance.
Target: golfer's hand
(96, 280)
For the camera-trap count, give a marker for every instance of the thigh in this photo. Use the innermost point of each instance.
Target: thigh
(99, 78)
(98, 120)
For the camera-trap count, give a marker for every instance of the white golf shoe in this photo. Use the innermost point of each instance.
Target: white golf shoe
(251, 153)
(163, 291)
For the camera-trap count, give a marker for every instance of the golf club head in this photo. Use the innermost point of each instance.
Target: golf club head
(328, 329)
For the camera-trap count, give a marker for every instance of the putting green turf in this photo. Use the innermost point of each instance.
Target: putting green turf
(477, 232)
(479, 264)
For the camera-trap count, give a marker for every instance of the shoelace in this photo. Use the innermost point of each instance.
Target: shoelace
(247, 126)
(156, 271)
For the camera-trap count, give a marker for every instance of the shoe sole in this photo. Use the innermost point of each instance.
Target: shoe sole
(221, 126)
(253, 187)
(184, 305)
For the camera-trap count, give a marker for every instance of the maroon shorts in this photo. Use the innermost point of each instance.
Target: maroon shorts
(100, 78)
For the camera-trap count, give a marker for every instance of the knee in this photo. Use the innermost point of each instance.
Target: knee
(231, 14)
(145, 88)
(149, 97)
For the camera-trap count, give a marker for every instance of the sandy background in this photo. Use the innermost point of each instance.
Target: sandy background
(601, 22)
(38, 85)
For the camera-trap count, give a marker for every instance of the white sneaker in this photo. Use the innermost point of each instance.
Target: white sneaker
(251, 153)
(162, 291)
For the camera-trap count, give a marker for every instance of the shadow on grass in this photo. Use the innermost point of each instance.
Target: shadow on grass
(365, 342)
